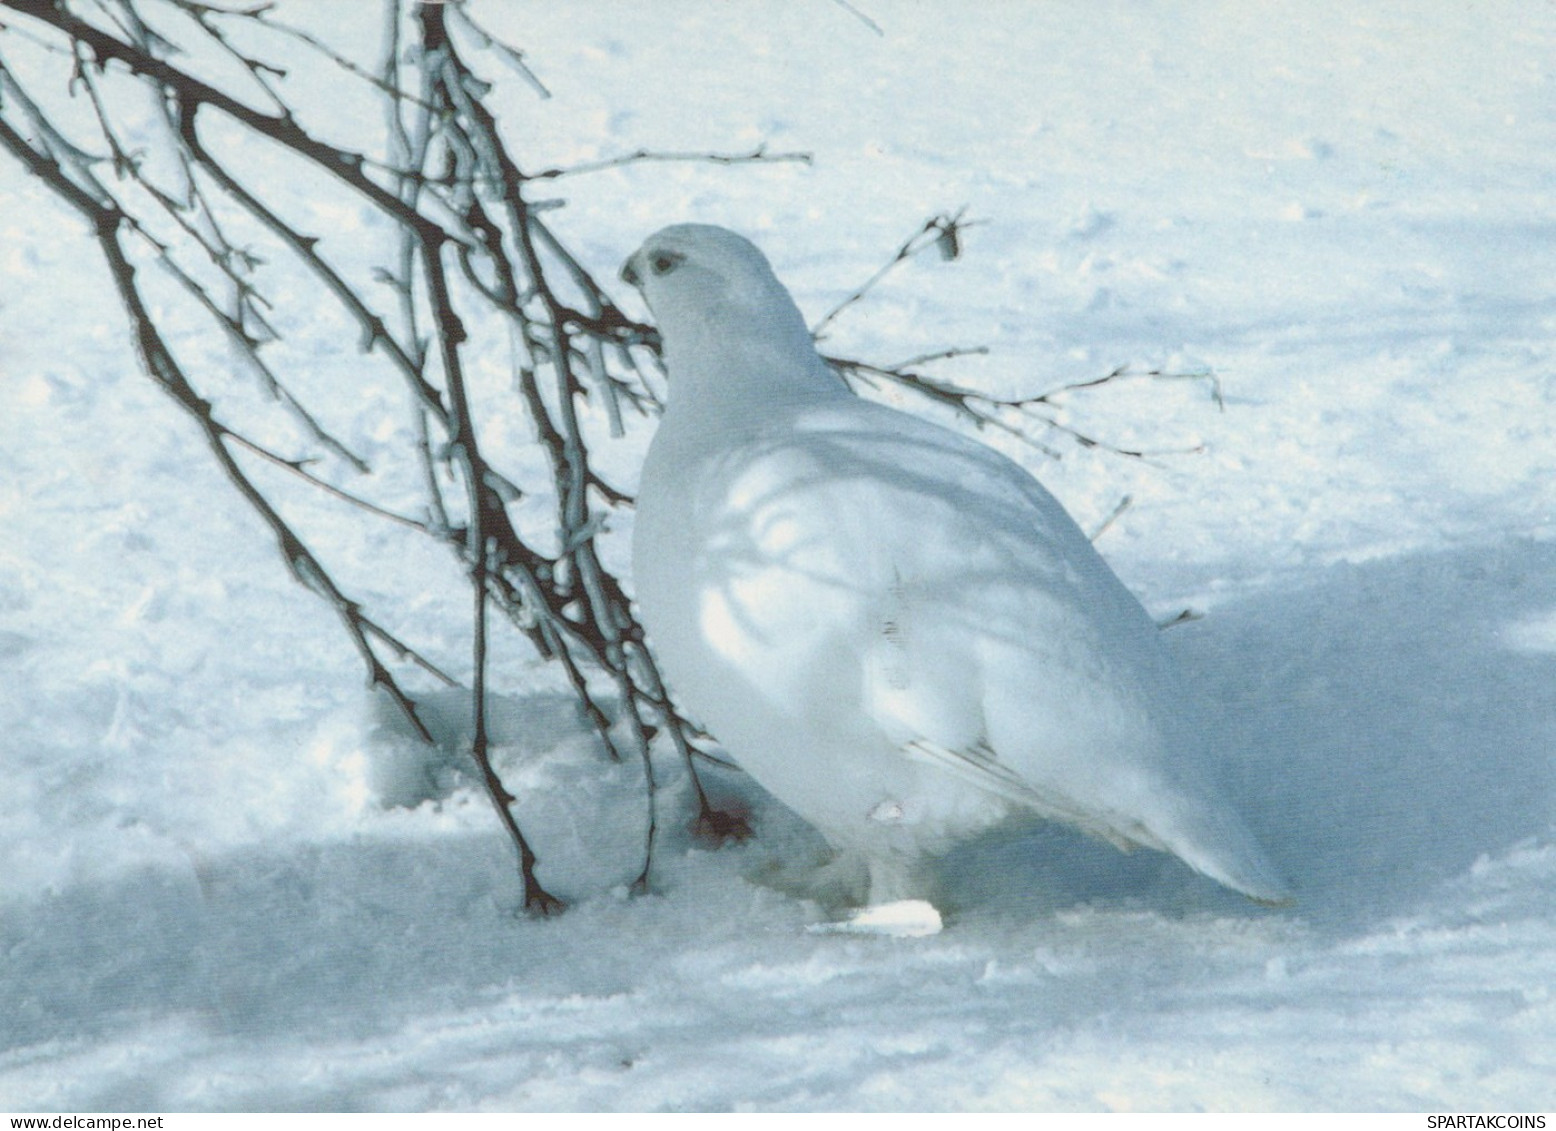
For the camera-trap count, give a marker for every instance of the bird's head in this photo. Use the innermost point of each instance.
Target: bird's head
(694, 276)
(734, 341)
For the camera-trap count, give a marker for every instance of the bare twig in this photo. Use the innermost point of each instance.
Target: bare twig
(1113, 516)
(860, 16)
(509, 55)
(108, 224)
(943, 231)
(475, 264)
(757, 155)
(983, 410)
(299, 468)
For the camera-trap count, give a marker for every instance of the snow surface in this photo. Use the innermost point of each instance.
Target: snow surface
(1342, 210)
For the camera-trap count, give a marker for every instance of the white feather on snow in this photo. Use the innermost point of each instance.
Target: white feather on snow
(1344, 213)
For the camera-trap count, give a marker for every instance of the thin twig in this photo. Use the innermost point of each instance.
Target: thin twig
(489, 525)
(861, 17)
(107, 223)
(509, 55)
(1113, 516)
(942, 230)
(757, 155)
(297, 468)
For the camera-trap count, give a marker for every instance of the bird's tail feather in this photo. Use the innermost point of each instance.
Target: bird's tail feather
(1218, 845)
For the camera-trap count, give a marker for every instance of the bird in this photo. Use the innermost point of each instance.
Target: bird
(896, 630)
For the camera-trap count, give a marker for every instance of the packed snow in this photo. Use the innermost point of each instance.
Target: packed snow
(232, 882)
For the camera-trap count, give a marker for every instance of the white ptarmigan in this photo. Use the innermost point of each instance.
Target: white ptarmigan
(893, 628)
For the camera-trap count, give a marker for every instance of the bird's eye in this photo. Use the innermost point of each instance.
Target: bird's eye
(665, 262)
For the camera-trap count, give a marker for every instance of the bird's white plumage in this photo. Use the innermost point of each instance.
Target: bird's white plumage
(893, 628)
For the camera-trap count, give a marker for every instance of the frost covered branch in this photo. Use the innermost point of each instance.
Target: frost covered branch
(169, 188)
(170, 125)
(109, 225)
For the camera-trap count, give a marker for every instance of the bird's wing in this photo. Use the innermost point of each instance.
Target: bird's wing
(980, 766)
(1006, 653)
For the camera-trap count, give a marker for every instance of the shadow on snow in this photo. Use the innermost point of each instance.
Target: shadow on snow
(1392, 723)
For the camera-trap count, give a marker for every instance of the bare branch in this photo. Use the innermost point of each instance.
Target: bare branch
(860, 16)
(298, 468)
(943, 231)
(757, 155)
(509, 55)
(1113, 516)
(473, 259)
(985, 411)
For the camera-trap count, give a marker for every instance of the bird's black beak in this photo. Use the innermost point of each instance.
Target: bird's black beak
(629, 274)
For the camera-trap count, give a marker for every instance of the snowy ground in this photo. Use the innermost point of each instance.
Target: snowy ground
(1342, 210)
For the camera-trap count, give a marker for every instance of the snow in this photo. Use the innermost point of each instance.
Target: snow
(1343, 213)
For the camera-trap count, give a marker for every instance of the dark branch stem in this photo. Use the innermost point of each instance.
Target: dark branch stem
(759, 154)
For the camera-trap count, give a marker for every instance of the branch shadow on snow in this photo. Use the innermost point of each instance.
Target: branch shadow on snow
(1384, 728)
